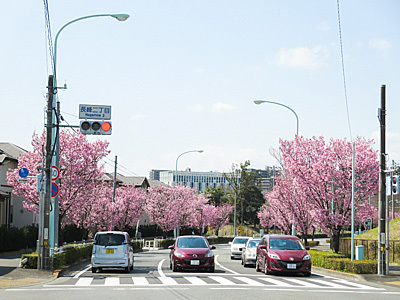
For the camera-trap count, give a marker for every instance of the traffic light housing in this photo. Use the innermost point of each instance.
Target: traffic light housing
(96, 127)
(395, 184)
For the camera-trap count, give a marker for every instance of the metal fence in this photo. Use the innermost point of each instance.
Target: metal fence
(371, 248)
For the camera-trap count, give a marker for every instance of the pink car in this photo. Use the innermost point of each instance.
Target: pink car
(191, 252)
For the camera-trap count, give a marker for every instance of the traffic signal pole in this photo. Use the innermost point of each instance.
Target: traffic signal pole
(382, 186)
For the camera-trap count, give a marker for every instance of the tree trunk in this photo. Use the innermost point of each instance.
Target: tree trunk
(335, 241)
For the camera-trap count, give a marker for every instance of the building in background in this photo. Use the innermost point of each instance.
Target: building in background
(202, 180)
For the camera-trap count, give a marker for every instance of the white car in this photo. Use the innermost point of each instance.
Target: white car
(249, 251)
(111, 249)
(236, 246)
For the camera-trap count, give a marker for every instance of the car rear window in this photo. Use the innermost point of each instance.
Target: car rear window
(192, 243)
(110, 239)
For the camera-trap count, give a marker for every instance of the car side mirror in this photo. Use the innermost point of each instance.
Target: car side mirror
(263, 247)
(212, 247)
(240, 249)
(230, 243)
(171, 247)
(307, 247)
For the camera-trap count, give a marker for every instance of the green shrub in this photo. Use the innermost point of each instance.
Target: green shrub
(341, 262)
(32, 260)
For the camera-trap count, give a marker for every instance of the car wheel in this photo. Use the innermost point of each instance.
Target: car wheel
(257, 266)
(307, 274)
(174, 268)
(170, 265)
(266, 268)
(127, 269)
(94, 270)
(211, 270)
(232, 257)
(242, 262)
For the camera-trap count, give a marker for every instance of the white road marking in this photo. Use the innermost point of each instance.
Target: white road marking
(140, 281)
(168, 281)
(222, 267)
(84, 281)
(222, 280)
(249, 281)
(275, 281)
(112, 281)
(195, 280)
(159, 269)
(81, 272)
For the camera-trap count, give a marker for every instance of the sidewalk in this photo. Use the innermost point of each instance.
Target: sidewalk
(11, 275)
(391, 280)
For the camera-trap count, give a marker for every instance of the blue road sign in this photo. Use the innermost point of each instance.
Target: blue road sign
(54, 189)
(23, 172)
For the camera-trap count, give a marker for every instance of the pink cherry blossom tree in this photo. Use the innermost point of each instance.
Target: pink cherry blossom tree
(322, 173)
(81, 172)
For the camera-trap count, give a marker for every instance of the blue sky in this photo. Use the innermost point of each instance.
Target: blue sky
(182, 75)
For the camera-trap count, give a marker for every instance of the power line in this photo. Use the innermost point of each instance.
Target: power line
(48, 33)
(343, 73)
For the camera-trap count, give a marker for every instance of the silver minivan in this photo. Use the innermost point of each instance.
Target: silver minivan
(111, 249)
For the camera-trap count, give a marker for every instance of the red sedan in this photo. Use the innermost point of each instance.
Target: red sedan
(191, 253)
(282, 253)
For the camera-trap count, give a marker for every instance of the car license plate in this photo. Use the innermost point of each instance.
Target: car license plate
(291, 266)
(110, 250)
(195, 262)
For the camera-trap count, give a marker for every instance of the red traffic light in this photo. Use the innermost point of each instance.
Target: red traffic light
(106, 126)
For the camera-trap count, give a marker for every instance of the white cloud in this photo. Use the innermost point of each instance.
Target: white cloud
(138, 117)
(302, 57)
(324, 26)
(219, 108)
(380, 44)
(197, 107)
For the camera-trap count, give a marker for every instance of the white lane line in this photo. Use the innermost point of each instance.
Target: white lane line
(249, 281)
(275, 282)
(195, 280)
(81, 272)
(112, 281)
(168, 281)
(140, 281)
(222, 280)
(159, 269)
(84, 281)
(222, 267)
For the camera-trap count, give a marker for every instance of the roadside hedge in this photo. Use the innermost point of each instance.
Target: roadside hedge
(69, 256)
(341, 262)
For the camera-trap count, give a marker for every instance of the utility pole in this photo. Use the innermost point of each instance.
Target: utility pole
(44, 206)
(382, 186)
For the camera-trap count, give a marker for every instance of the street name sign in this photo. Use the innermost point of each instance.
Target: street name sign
(96, 112)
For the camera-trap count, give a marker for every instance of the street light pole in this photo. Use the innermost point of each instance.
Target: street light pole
(55, 126)
(258, 102)
(176, 176)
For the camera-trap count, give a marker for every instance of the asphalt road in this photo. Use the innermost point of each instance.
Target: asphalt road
(152, 279)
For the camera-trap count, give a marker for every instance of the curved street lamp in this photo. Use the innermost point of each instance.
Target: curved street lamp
(258, 102)
(55, 137)
(176, 176)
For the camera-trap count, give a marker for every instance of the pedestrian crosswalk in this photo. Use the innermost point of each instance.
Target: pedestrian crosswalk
(215, 280)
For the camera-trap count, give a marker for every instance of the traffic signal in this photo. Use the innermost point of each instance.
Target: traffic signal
(96, 127)
(395, 184)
